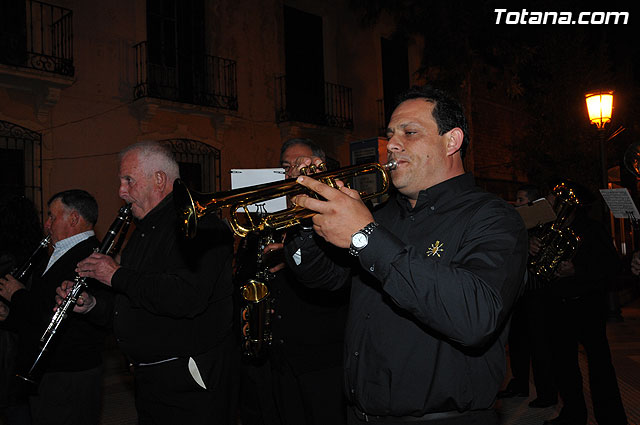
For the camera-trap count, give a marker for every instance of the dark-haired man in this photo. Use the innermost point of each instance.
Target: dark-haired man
(69, 389)
(528, 336)
(301, 384)
(577, 311)
(433, 274)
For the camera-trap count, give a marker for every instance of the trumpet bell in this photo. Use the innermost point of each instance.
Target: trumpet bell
(185, 208)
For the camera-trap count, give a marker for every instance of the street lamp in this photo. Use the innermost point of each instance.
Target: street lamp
(600, 107)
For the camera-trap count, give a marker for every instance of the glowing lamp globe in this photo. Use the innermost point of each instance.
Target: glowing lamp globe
(600, 106)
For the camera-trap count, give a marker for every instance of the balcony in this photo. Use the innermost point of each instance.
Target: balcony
(325, 104)
(38, 36)
(206, 81)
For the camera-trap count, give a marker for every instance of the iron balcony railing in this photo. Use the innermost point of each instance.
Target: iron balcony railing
(37, 35)
(333, 107)
(207, 81)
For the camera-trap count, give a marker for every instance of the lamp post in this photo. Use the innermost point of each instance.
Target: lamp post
(600, 107)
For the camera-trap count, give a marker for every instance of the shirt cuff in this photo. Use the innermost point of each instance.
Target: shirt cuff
(382, 250)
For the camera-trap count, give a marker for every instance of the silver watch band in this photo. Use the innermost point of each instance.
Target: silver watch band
(367, 230)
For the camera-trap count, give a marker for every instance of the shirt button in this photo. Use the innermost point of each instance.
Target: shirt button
(353, 391)
(356, 354)
(281, 341)
(279, 316)
(368, 316)
(142, 235)
(433, 207)
(372, 268)
(412, 218)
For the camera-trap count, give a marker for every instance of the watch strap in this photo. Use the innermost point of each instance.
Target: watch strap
(367, 230)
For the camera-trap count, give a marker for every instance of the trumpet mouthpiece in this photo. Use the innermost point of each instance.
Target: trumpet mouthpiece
(391, 165)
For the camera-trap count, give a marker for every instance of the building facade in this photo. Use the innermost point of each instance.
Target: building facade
(222, 82)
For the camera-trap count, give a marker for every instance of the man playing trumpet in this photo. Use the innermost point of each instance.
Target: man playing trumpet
(433, 274)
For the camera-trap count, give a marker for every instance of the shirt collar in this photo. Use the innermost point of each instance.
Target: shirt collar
(71, 241)
(61, 247)
(439, 193)
(156, 215)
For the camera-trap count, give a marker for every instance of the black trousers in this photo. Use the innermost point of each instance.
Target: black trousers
(582, 320)
(530, 344)
(275, 394)
(68, 398)
(485, 417)
(167, 393)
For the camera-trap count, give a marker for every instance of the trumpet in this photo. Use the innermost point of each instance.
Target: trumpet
(191, 206)
(119, 226)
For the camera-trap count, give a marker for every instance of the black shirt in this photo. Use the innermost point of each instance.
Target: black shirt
(429, 300)
(173, 295)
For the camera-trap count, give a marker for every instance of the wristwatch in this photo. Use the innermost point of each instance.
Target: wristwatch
(360, 239)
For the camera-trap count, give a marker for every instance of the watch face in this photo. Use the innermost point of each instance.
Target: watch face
(359, 240)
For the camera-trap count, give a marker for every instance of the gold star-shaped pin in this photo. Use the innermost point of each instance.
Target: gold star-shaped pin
(435, 249)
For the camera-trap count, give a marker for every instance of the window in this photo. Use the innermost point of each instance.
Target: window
(21, 162)
(199, 164)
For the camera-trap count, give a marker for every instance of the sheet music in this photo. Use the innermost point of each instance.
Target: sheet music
(620, 203)
(251, 177)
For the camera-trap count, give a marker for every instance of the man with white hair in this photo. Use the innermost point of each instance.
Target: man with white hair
(172, 311)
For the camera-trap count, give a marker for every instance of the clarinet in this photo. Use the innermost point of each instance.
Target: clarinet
(25, 269)
(119, 226)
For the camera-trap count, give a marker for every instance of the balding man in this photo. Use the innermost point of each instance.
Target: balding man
(172, 312)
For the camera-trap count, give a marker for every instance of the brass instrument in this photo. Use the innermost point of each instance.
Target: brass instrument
(258, 305)
(119, 226)
(632, 158)
(191, 206)
(631, 161)
(558, 241)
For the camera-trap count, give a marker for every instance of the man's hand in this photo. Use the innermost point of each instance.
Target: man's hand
(340, 216)
(99, 267)
(635, 263)
(9, 286)
(565, 269)
(85, 301)
(273, 257)
(4, 311)
(534, 245)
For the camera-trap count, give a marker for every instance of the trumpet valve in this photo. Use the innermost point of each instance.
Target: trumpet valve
(331, 182)
(312, 168)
